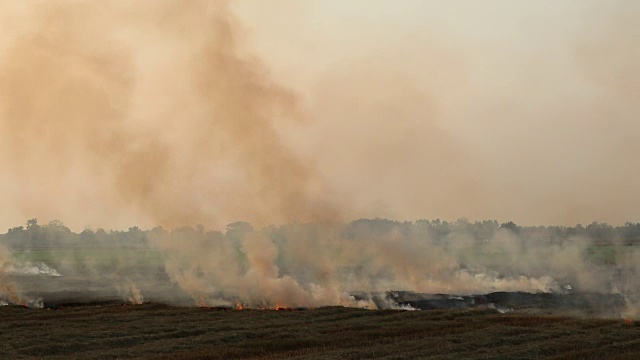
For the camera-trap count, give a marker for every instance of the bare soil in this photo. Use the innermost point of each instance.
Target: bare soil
(156, 331)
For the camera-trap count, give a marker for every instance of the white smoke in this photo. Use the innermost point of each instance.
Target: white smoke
(29, 268)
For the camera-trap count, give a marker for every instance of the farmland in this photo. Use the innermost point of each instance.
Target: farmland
(166, 332)
(483, 292)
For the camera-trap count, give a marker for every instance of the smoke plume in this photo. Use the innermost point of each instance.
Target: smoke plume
(151, 109)
(171, 113)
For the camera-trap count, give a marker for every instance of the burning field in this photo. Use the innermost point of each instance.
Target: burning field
(165, 115)
(370, 264)
(208, 159)
(366, 289)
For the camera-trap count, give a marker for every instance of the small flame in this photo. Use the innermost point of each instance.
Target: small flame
(202, 302)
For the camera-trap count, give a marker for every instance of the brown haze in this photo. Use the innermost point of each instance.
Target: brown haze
(152, 110)
(517, 111)
(172, 113)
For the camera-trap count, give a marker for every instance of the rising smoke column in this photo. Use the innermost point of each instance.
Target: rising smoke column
(8, 288)
(151, 108)
(134, 106)
(66, 97)
(245, 105)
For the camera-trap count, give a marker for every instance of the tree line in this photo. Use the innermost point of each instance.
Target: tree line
(56, 234)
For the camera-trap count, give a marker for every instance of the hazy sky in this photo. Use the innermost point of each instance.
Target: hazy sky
(537, 100)
(509, 110)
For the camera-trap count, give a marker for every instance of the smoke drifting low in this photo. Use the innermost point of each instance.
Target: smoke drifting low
(310, 265)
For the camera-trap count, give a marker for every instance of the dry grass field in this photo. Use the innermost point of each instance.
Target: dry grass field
(155, 331)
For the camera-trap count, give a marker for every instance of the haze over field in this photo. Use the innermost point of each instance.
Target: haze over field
(375, 263)
(237, 141)
(207, 112)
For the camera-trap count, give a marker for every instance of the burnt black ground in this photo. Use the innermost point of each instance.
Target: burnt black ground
(77, 290)
(575, 303)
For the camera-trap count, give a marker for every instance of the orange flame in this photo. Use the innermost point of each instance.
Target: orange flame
(202, 303)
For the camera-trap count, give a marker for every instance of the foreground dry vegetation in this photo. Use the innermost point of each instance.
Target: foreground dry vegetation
(166, 332)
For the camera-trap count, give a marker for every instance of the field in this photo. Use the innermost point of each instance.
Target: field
(84, 316)
(158, 331)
